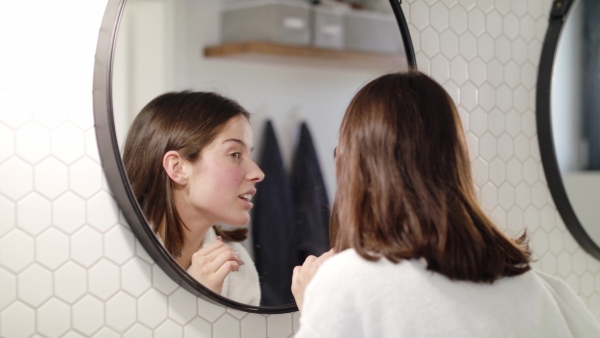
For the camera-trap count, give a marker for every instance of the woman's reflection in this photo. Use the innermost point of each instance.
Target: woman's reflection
(187, 156)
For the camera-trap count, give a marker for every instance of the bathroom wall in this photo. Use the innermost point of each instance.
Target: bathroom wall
(70, 267)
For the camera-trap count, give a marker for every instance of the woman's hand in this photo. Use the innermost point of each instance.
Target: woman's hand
(303, 275)
(211, 264)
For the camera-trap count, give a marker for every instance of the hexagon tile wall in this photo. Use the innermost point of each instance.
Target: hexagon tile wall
(69, 267)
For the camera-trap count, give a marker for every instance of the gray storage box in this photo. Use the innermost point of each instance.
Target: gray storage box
(328, 27)
(277, 21)
(371, 32)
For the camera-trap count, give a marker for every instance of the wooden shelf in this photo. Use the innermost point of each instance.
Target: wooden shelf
(271, 52)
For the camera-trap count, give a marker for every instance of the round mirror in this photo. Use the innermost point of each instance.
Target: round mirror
(568, 116)
(294, 66)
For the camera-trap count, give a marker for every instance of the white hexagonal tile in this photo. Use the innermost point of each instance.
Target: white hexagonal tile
(161, 281)
(51, 177)
(505, 147)
(485, 47)
(587, 284)
(119, 244)
(480, 171)
(423, 62)
(504, 98)
(439, 13)
(523, 195)
(106, 332)
(473, 145)
(458, 19)
(497, 171)
(104, 279)
(32, 142)
(449, 44)
(69, 212)
(227, 326)
(547, 216)
(452, 90)
(8, 285)
(487, 97)
(578, 262)
(138, 331)
(7, 216)
(102, 211)
(467, 45)
(522, 147)
(549, 263)
(564, 264)
(85, 177)
(571, 245)
(35, 285)
(182, 307)
(236, 313)
(15, 106)
(476, 22)
(141, 253)
(539, 242)
(513, 123)
(511, 26)
(254, 326)
(534, 51)
(52, 248)
(468, 97)
(70, 282)
(573, 281)
(81, 109)
(200, 328)
(16, 250)
(296, 321)
(529, 124)
(519, 52)
(68, 143)
(498, 216)
(34, 214)
(440, 68)
(536, 8)
(556, 241)
(506, 196)
(152, 308)
(477, 71)
(136, 276)
(120, 312)
(534, 149)
(489, 196)
(488, 147)
(7, 140)
(91, 145)
(49, 108)
(495, 73)
(594, 304)
(86, 246)
(279, 325)
(88, 315)
(209, 311)
(53, 318)
(494, 24)
(17, 320)
(430, 42)
(459, 70)
(21, 178)
(478, 121)
(528, 75)
(512, 75)
(521, 101)
(514, 171)
(518, 7)
(419, 15)
(168, 329)
(532, 218)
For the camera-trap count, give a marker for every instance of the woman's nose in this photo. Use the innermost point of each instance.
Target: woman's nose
(255, 174)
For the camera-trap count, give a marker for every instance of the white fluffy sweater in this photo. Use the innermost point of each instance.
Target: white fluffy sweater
(352, 297)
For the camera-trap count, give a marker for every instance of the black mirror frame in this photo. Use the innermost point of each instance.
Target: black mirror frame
(115, 172)
(558, 15)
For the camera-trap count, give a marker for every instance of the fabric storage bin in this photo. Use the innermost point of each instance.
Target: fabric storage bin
(371, 32)
(277, 21)
(328, 28)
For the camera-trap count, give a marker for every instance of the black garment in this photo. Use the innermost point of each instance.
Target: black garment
(311, 206)
(272, 220)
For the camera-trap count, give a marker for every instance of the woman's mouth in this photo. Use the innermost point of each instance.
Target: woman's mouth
(246, 197)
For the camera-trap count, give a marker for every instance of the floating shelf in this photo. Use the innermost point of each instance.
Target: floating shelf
(271, 52)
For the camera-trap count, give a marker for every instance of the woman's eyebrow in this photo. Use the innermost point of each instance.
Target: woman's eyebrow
(237, 141)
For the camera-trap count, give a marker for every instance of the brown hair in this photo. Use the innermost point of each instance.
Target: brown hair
(185, 122)
(405, 188)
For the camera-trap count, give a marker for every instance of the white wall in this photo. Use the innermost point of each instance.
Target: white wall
(69, 267)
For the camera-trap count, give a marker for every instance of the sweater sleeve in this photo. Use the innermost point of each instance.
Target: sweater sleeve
(329, 307)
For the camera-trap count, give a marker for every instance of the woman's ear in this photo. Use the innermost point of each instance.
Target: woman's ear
(173, 163)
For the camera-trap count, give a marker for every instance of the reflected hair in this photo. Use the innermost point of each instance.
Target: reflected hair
(404, 185)
(185, 122)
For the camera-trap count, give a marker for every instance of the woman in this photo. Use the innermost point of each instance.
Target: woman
(187, 157)
(416, 254)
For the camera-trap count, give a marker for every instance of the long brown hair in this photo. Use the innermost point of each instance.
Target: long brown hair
(404, 186)
(185, 122)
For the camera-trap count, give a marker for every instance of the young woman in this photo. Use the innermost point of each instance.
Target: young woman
(416, 256)
(187, 157)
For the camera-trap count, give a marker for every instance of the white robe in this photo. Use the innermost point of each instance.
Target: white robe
(352, 297)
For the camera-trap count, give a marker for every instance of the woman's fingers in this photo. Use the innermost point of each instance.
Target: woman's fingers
(212, 264)
(302, 275)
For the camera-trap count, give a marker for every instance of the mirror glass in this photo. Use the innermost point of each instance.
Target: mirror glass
(576, 112)
(301, 75)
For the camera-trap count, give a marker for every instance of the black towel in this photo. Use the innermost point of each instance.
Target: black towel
(272, 220)
(311, 206)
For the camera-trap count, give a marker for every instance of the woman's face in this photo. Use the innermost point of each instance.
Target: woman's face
(222, 180)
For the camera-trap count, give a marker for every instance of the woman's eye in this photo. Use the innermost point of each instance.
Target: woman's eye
(235, 156)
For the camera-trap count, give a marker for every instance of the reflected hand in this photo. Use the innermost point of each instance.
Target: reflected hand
(304, 274)
(211, 264)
